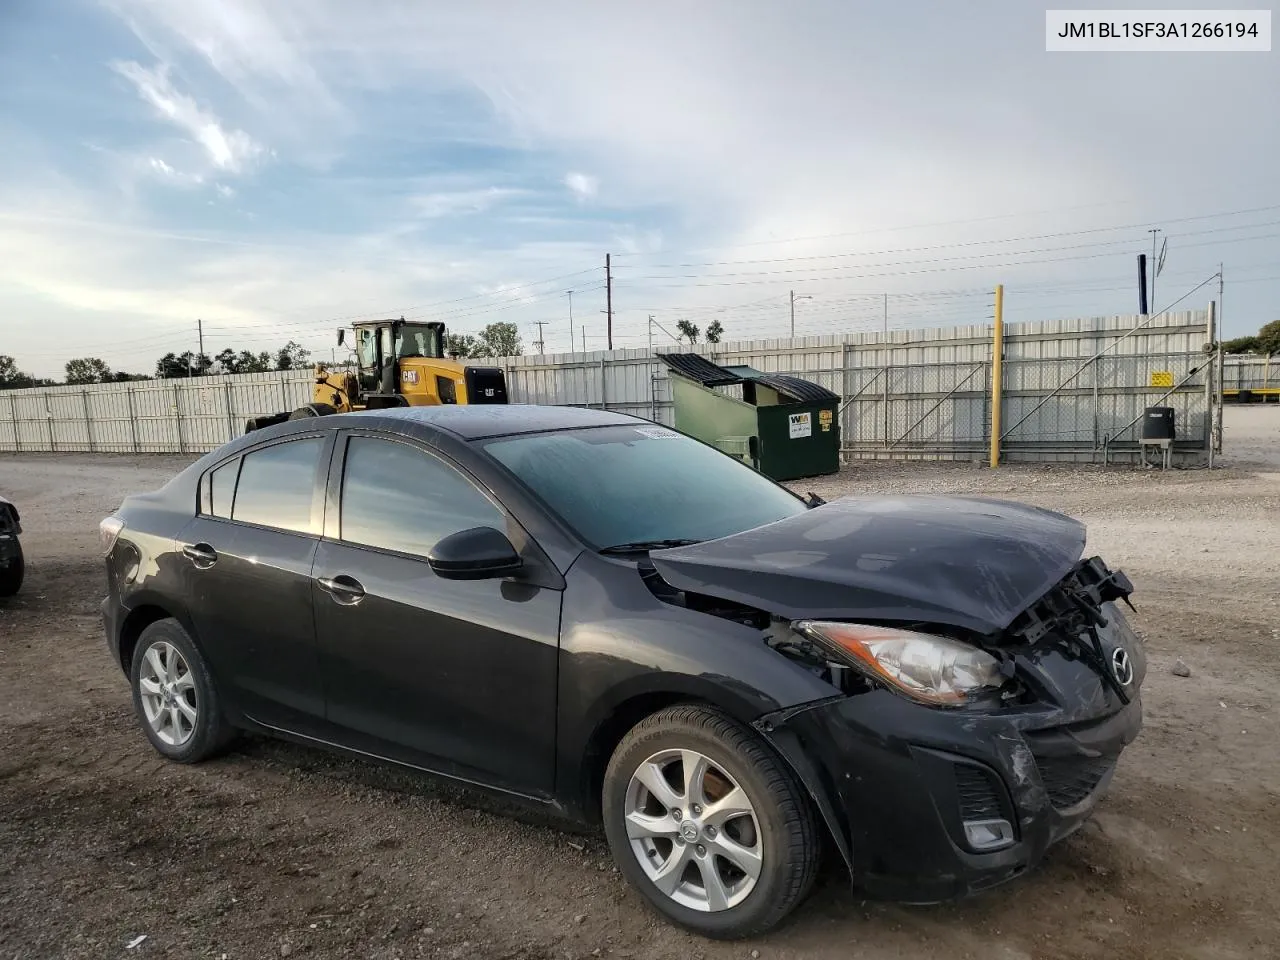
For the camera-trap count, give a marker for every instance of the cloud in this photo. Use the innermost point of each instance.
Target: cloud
(583, 186)
(224, 191)
(231, 151)
(452, 203)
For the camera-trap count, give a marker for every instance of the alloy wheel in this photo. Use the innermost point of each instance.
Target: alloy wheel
(693, 830)
(168, 693)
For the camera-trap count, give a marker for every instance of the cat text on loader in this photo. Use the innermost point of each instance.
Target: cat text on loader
(399, 363)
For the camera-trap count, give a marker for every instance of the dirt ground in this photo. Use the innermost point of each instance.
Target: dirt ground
(277, 850)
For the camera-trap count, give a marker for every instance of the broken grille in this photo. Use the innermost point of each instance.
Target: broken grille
(1069, 780)
(977, 794)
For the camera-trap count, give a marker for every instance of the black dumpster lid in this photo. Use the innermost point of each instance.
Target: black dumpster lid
(794, 388)
(698, 368)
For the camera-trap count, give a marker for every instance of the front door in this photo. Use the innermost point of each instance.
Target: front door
(455, 675)
(247, 562)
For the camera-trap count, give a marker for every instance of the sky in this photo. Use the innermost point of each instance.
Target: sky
(278, 168)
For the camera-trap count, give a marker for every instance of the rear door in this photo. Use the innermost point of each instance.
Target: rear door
(455, 675)
(246, 561)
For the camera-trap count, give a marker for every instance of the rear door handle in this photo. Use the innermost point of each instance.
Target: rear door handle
(201, 554)
(345, 590)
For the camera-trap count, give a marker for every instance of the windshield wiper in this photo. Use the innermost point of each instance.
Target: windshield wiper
(642, 546)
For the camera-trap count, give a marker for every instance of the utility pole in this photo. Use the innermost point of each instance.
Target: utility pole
(542, 344)
(794, 298)
(608, 293)
(200, 335)
(1154, 271)
(886, 316)
(584, 346)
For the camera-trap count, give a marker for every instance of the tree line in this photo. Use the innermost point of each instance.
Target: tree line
(1266, 342)
(500, 339)
(83, 371)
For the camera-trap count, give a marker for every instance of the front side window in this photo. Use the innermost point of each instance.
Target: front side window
(399, 497)
(367, 347)
(277, 485)
(618, 485)
(415, 340)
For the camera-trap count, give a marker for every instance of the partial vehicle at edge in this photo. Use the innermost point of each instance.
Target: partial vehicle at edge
(12, 563)
(597, 614)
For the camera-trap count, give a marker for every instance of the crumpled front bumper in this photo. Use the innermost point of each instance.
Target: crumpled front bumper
(896, 782)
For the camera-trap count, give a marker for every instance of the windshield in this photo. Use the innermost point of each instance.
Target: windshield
(417, 340)
(621, 485)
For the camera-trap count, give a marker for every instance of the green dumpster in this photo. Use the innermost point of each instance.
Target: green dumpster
(784, 426)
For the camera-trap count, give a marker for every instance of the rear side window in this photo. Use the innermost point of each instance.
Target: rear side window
(222, 488)
(277, 484)
(399, 497)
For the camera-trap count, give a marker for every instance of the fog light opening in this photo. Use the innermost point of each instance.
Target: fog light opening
(987, 835)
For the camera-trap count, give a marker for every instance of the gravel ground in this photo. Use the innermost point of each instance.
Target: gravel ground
(277, 850)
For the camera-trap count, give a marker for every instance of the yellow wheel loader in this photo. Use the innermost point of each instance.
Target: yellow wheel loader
(399, 363)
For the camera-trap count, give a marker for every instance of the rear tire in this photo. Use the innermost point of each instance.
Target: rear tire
(11, 575)
(174, 695)
(313, 410)
(682, 845)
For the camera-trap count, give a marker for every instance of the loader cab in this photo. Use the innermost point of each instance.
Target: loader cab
(382, 344)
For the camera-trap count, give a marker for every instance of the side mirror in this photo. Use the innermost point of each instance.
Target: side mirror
(342, 336)
(480, 553)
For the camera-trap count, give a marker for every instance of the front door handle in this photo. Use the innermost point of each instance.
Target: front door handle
(345, 590)
(201, 554)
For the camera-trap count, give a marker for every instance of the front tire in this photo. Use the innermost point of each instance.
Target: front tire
(174, 695)
(12, 574)
(708, 824)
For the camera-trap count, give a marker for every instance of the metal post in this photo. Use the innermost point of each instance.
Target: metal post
(604, 403)
(1097, 406)
(13, 412)
(653, 400)
(88, 424)
(48, 410)
(888, 375)
(284, 395)
(133, 419)
(1212, 332)
(177, 410)
(997, 375)
(231, 414)
(1217, 437)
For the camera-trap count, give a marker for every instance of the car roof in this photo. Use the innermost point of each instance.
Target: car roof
(482, 421)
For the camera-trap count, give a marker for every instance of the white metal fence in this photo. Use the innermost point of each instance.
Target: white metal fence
(1251, 373)
(914, 394)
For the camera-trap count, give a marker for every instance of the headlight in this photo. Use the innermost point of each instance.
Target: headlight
(108, 530)
(928, 669)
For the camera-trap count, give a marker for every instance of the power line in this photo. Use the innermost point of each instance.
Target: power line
(1008, 216)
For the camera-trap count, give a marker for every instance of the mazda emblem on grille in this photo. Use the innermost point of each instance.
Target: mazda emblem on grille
(1121, 666)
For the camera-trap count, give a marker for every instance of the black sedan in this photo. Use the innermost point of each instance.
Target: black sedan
(600, 615)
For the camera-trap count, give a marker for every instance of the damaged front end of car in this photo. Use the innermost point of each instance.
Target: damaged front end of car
(954, 750)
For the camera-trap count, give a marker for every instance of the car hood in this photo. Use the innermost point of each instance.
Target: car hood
(964, 561)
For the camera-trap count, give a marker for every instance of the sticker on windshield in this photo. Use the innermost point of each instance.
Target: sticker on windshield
(657, 433)
(801, 425)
